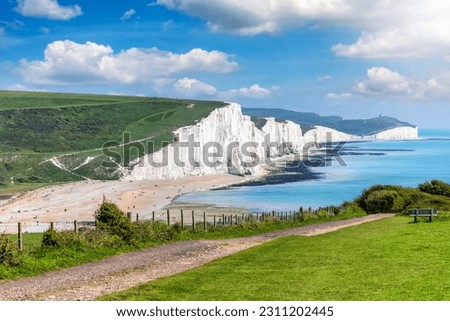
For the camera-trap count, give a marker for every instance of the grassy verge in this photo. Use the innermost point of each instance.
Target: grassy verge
(37, 260)
(384, 260)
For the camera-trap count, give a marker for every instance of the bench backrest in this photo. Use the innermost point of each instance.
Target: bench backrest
(423, 211)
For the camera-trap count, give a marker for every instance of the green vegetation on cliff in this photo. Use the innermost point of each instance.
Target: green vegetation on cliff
(397, 199)
(72, 129)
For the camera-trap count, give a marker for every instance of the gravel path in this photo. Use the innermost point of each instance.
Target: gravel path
(89, 281)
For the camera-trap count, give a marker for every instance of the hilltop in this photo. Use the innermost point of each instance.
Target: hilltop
(360, 127)
(54, 137)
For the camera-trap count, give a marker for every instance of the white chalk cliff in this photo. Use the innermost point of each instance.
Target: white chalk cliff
(226, 141)
(322, 134)
(404, 132)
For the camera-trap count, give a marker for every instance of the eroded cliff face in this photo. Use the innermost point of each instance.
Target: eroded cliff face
(226, 141)
(322, 134)
(396, 133)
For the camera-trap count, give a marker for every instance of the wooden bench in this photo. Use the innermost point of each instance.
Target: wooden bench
(423, 212)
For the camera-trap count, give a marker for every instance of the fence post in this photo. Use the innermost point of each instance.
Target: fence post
(193, 221)
(129, 216)
(153, 217)
(223, 219)
(137, 217)
(236, 219)
(52, 226)
(168, 218)
(214, 221)
(182, 220)
(204, 222)
(75, 226)
(20, 236)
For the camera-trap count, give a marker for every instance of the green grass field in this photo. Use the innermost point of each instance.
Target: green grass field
(385, 260)
(35, 127)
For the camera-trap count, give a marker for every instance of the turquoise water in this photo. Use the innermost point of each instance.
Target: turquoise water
(405, 163)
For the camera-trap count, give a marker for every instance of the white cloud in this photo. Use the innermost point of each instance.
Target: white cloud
(334, 96)
(324, 78)
(189, 87)
(128, 14)
(385, 83)
(44, 30)
(48, 9)
(2, 31)
(193, 87)
(14, 24)
(67, 62)
(254, 91)
(20, 87)
(400, 28)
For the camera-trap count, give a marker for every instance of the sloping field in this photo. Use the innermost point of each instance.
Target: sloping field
(49, 138)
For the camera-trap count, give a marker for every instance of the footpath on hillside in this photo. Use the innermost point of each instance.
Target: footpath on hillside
(89, 281)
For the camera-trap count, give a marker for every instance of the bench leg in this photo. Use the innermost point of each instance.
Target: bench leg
(415, 219)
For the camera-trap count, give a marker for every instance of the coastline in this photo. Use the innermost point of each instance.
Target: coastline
(79, 201)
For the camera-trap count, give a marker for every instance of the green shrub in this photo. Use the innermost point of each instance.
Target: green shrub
(435, 187)
(9, 254)
(55, 239)
(160, 232)
(111, 219)
(384, 202)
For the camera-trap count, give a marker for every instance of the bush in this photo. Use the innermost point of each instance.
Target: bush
(9, 254)
(52, 238)
(435, 187)
(111, 219)
(384, 202)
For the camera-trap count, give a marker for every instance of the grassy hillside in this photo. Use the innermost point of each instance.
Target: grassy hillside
(309, 120)
(35, 127)
(385, 260)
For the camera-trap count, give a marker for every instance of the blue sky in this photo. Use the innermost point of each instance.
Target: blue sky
(353, 58)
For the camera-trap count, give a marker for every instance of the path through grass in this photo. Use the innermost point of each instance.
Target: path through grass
(385, 260)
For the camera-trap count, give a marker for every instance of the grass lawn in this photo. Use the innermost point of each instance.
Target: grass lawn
(384, 260)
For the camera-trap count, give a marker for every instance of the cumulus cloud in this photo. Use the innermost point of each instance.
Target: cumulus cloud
(67, 62)
(193, 87)
(401, 28)
(48, 9)
(128, 14)
(255, 91)
(189, 87)
(386, 83)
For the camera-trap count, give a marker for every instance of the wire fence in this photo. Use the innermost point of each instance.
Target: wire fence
(185, 219)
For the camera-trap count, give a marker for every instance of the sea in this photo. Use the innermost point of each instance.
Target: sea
(362, 164)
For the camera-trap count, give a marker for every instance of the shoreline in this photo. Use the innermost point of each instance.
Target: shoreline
(79, 200)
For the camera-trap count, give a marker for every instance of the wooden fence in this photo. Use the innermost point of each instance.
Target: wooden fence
(186, 220)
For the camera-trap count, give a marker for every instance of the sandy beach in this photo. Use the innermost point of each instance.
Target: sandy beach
(79, 201)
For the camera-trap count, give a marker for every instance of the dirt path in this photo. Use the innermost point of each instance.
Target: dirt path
(89, 281)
